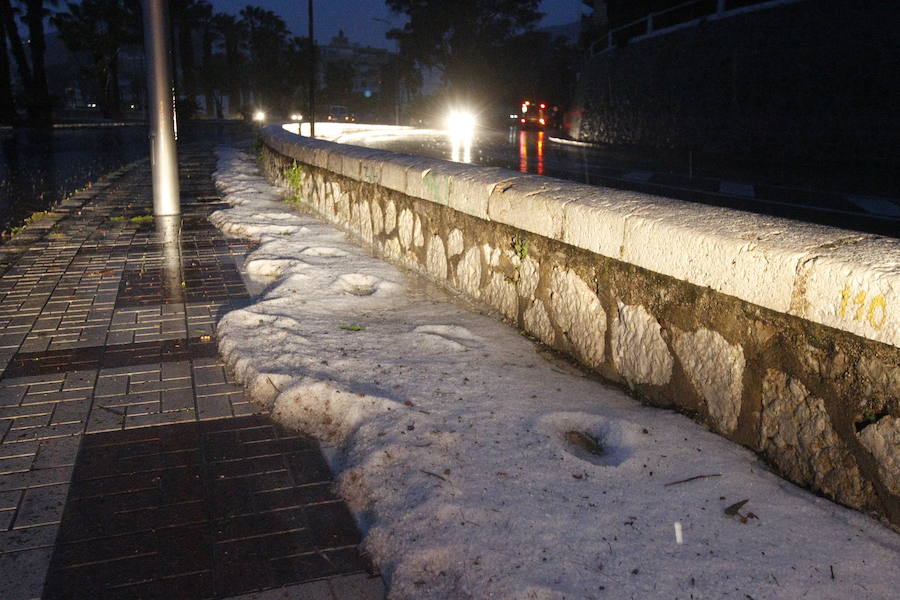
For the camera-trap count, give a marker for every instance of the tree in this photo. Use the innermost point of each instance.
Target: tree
(188, 17)
(463, 39)
(268, 47)
(40, 106)
(226, 69)
(101, 28)
(7, 16)
(7, 106)
(538, 66)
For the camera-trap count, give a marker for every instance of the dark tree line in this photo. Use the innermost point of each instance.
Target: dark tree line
(251, 57)
(487, 50)
(29, 64)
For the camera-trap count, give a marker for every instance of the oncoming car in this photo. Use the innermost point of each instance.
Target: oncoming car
(340, 114)
(534, 115)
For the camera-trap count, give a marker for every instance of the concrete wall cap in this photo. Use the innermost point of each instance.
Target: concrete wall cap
(530, 203)
(596, 222)
(472, 188)
(853, 285)
(748, 256)
(437, 182)
(396, 167)
(415, 177)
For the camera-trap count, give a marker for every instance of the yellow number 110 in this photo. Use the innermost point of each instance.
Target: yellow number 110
(875, 313)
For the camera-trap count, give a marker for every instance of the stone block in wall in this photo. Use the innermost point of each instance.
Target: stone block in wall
(418, 238)
(390, 217)
(716, 369)
(796, 434)
(336, 161)
(415, 177)
(468, 272)
(321, 157)
(639, 351)
(436, 258)
(405, 227)
(882, 439)
(377, 218)
(455, 243)
(577, 312)
(537, 323)
(501, 294)
(528, 277)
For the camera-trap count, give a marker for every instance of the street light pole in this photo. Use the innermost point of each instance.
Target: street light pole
(161, 112)
(312, 75)
(396, 62)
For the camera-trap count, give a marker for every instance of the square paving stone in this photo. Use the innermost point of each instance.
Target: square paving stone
(224, 507)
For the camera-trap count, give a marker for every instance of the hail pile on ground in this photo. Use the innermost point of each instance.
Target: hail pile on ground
(478, 466)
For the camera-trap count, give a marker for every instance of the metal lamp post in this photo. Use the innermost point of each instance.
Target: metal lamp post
(161, 100)
(396, 62)
(312, 74)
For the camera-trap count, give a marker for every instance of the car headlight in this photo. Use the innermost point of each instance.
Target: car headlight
(461, 122)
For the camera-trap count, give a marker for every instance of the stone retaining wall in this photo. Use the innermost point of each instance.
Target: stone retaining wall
(784, 337)
(807, 82)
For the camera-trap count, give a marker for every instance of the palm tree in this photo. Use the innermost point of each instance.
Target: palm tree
(228, 69)
(100, 28)
(40, 106)
(268, 39)
(7, 107)
(8, 23)
(188, 17)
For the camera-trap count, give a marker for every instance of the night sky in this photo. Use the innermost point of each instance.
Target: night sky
(356, 17)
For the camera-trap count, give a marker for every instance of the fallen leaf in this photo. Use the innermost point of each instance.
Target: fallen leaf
(734, 508)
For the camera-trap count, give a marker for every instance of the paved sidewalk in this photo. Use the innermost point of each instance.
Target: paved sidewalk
(131, 465)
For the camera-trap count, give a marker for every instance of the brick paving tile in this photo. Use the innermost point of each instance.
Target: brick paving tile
(131, 464)
(192, 498)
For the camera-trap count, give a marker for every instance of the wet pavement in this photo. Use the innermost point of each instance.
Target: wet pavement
(131, 465)
(38, 167)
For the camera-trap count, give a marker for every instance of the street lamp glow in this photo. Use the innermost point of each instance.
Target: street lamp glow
(259, 116)
(461, 122)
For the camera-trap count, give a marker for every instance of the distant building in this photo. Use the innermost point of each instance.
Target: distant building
(367, 63)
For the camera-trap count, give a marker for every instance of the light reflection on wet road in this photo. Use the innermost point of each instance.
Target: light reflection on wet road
(525, 151)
